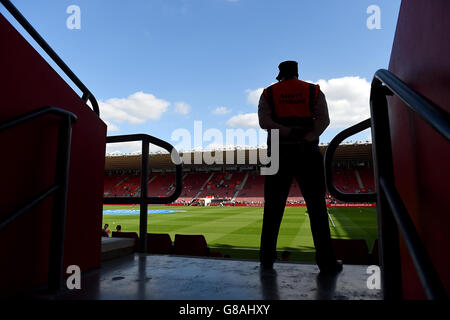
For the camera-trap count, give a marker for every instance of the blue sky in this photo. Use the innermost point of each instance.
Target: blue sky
(157, 66)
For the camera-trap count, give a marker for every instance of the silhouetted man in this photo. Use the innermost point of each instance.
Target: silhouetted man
(299, 110)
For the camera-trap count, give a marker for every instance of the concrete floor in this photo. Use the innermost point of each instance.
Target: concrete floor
(161, 277)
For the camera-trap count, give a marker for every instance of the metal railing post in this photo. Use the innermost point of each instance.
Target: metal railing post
(59, 189)
(387, 228)
(328, 163)
(55, 273)
(393, 218)
(144, 194)
(144, 200)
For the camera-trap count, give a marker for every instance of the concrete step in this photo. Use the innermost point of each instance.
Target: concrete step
(163, 277)
(116, 247)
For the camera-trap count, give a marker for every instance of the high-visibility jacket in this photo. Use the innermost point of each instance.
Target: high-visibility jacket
(292, 102)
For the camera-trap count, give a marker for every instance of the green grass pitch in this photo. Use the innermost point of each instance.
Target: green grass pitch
(236, 230)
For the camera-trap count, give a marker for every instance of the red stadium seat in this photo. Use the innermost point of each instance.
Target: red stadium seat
(159, 243)
(191, 245)
(351, 251)
(216, 254)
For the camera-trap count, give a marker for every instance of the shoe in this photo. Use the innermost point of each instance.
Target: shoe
(266, 265)
(331, 269)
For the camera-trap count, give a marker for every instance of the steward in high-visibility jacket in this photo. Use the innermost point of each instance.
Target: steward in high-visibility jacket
(292, 103)
(299, 111)
(295, 107)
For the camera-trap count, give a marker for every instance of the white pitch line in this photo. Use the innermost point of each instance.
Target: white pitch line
(332, 222)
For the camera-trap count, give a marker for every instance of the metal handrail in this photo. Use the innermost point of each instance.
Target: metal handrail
(30, 205)
(87, 94)
(35, 114)
(59, 189)
(144, 200)
(328, 160)
(425, 269)
(392, 213)
(436, 117)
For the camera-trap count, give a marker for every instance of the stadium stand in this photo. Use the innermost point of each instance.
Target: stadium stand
(159, 243)
(191, 186)
(295, 195)
(190, 245)
(121, 185)
(159, 184)
(367, 179)
(223, 185)
(226, 185)
(238, 184)
(345, 180)
(253, 190)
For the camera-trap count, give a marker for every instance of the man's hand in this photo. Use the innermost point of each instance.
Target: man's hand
(310, 137)
(297, 134)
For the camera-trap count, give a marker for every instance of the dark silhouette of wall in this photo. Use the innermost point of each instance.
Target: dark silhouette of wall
(27, 164)
(421, 156)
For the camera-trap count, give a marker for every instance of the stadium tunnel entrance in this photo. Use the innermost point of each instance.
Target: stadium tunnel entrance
(56, 203)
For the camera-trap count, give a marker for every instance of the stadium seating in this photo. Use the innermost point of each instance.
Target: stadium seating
(224, 185)
(295, 194)
(216, 254)
(160, 184)
(345, 180)
(190, 245)
(191, 185)
(159, 243)
(366, 175)
(121, 185)
(253, 190)
(351, 251)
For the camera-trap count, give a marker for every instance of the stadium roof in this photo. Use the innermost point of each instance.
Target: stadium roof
(357, 152)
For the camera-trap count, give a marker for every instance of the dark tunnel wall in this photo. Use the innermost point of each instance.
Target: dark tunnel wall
(420, 58)
(27, 161)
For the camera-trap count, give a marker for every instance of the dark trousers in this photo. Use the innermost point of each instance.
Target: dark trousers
(303, 162)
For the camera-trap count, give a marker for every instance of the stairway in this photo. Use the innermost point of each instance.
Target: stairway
(218, 279)
(358, 179)
(241, 186)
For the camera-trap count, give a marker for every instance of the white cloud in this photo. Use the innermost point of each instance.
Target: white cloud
(124, 147)
(348, 100)
(132, 147)
(182, 108)
(253, 96)
(137, 108)
(245, 120)
(111, 127)
(221, 111)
